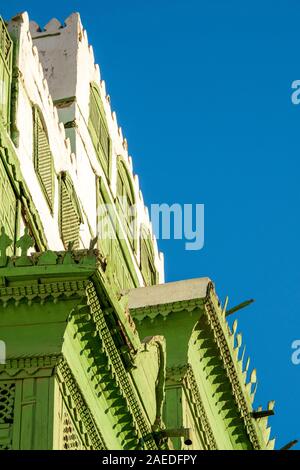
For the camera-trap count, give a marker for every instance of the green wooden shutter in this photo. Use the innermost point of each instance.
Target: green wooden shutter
(126, 201)
(70, 216)
(43, 160)
(8, 205)
(6, 46)
(98, 130)
(147, 258)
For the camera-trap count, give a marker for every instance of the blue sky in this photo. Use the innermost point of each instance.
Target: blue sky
(202, 90)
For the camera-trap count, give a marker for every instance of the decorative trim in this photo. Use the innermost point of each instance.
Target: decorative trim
(103, 378)
(70, 387)
(120, 372)
(238, 393)
(183, 376)
(52, 291)
(196, 402)
(163, 310)
(39, 366)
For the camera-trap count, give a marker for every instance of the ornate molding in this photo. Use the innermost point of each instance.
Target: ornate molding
(163, 310)
(39, 366)
(238, 392)
(42, 292)
(183, 376)
(144, 430)
(103, 377)
(203, 422)
(69, 387)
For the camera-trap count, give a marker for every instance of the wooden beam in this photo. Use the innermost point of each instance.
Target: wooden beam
(239, 307)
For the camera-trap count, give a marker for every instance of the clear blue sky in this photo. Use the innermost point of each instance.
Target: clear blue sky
(202, 91)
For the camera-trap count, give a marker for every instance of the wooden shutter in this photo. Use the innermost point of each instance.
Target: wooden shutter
(126, 200)
(98, 129)
(5, 73)
(69, 213)
(8, 205)
(43, 160)
(147, 258)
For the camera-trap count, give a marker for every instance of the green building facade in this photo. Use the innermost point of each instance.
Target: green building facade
(100, 353)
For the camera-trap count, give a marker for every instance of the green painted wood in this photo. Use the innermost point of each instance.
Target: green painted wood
(8, 206)
(98, 129)
(6, 51)
(42, 156)
(70, 212)
(147, 258)
(71, 338)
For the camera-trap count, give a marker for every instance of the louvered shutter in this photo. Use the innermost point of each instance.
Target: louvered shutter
(43, 159)
(98, 129)
(70, 216)
(6, 47)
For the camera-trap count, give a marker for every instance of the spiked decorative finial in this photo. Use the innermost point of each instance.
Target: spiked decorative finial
(253, 377)
(90, 257)
(24, 243)
(68, 259)
(92, 244)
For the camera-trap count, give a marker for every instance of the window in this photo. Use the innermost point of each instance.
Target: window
(43, 161)
(70, 213)
(147, 258)
(98, 129)
(118, 267)
(5, 73)
(126, 200)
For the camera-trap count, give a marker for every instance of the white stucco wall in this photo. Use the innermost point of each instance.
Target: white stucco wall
(56, 63)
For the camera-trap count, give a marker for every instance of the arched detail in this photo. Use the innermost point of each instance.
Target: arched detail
(148, 269)
(42, 156)
(99, 129)
(126, 201)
